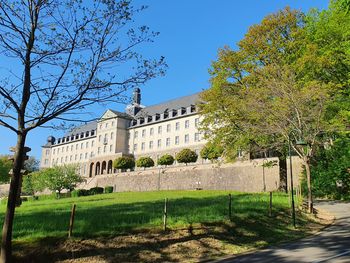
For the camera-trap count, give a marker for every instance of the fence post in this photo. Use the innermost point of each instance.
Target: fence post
(165, 216)
(230, 207)
(270, 206)
(71, 221)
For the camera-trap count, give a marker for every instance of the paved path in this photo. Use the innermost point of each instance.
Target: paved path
(332, 245)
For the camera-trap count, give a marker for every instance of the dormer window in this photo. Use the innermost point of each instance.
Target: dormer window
(77, 136)
(92, 132)
(87, 134)
(81, 135)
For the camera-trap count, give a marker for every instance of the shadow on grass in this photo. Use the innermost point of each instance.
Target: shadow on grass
(131, 232)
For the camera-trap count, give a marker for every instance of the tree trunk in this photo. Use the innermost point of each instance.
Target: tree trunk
(6, 242)
(308, 178)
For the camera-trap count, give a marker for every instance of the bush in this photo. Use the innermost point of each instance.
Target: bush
(108, 189)
(96, 190)
(211, 151)
(124, 162)
(145, 162)
(166, 159)
(80, 192)
(186, 156)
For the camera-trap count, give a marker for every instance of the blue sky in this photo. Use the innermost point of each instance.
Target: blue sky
(191, 32)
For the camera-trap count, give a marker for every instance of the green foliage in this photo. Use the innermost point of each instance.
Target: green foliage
(331, 170)
(58, 178)
(186, 156)
(108, 189)
(124, 162)
(166, 159)
(28, 185)
(145, 162)
(80, 192)
(211, 151)
(5, 167)
(96, 190)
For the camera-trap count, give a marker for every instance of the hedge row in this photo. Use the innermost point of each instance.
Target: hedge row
(92, 191)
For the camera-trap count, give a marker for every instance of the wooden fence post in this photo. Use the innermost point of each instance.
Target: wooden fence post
(270, 206)
(165, 216)
(230, 207)
(71, 221)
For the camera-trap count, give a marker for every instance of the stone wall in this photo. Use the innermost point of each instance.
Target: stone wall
(245, 176)
(297, 171)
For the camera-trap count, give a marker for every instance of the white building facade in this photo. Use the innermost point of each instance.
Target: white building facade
(141, 131)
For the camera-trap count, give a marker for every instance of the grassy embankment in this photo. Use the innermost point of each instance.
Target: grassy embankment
(107, 216)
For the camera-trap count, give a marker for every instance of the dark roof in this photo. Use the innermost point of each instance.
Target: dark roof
(170, 105)
(83, 128)
(121, 114)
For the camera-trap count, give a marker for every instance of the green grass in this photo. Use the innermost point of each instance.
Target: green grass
(117, 213)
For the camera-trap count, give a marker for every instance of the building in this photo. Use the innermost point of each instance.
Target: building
(142, 131)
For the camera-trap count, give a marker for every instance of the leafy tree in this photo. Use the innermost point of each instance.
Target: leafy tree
(166, 159)
(263, 95)
(211, 151)
(32, 164)
(145, 162)
(58, 178)
(124, 162)
(186, 156)
(61, 57)
(331, 170)
(5, 167)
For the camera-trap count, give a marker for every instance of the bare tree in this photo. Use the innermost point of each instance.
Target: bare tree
(60, 57)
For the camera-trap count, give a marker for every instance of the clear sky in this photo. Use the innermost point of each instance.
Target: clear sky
(191, 32)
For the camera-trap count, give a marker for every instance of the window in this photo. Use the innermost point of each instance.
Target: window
(92, 144)
(151, 131)
(104, 148)
(177, 126)
(76, 146)
(112, 123)
(47, 152)
(61, 159)
(159, 129)
(142, 146)
(177, 140)
(99, 138)
(167, 142)
(135, 147)
(54, 150)
(112, 135)
(187, 124)
(196, 122)
(98, 150)
(67, 149)
(143, 133)
(151, 144)
(136, 134)
(100, 126)
(58, 150)
(66, 158)
(187, 137)
(81, 156)
(196, 137)
(159, 143)
(91, 154)
(87, 145)
(63, 149)
(76, 157)
(168, 128)
(82, 146)
(71, 148)
(110, 148)
(86, 155)
(70, 158)
(46, 161)
(106, 125)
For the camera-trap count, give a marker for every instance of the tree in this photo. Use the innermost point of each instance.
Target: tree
(211, 151)
(58, 178)
(263, 97)
(5, 167)
(31, 165)
(186, 156)
(166, 159)
(62, 57)
(124, 162)
(145, 162)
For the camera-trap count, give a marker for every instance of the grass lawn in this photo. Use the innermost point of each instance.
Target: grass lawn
(114, 220)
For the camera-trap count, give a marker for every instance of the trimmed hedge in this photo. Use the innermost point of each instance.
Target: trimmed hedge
(108, 189)
(96, 190)
(80, 192)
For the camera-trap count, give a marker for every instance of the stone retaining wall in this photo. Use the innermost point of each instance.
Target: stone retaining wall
(245, 176)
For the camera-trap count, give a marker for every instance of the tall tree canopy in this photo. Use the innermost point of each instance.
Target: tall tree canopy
(280, 86)
(59, 57)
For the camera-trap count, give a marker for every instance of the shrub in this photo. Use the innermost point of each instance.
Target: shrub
(211, 151)
(186, 156)
(96, 190)
(124, 162)
(108, 189)
(166, 159)
(145, 162)
(80, 192)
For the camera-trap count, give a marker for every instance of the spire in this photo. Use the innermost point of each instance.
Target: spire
(136, 96)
